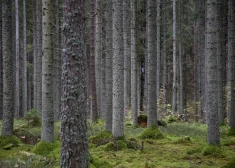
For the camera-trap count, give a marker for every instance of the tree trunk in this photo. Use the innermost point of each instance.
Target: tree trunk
(152, 105)
(126, 38)
(108, 75)
(94, 112)
(174, 59)
(24, 81)
(8, 95)
(98, 54)
(74, 143)
(118, 72)
(35, 56)
(231, 61)
(1, 65)
(211, 47)
(39, 53)
(134, 98)
(17, 63)
(47, 71)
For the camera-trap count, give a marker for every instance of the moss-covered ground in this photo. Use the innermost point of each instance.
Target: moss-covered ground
(179, 145)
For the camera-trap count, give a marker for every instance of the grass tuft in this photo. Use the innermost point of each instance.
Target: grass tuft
(211, 150)
(44, 148)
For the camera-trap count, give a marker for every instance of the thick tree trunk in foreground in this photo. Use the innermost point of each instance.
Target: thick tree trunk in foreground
(74, 143)
(8, 103)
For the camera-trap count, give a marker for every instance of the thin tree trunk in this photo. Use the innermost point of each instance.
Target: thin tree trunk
(174, 59)
(8, 94)
(134, 98)
(108, 75)
(35, 56)
(17, 63)
(47, 71)
(152, 99)
(25, 80)
(94, 112)
(39, 53)
(118, 72)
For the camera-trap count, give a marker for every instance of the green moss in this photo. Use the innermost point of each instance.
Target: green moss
(228, 142)
(121, 145)
(103, 135)
(98, 163)
(109, 146)
(55, 154)
(230, 164)
(231, 131)
(45, 148)
(172, 119)
(151, 133)
(7, 140)
(185, 139)
(211, 150)
(194, 150)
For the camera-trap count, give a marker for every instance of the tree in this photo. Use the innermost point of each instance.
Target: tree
(118, 73)
(1, 64)
(108, 75)
(74, 148)
(174, 59)
(17, 63)
(24, 85)
(47, 71)
(231, 63)
(134, 81)
(93, 97)
(8, 103)
(39, 53)
(151, 36)
(211, 49)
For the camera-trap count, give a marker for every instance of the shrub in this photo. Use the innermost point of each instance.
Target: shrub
(45, 148)
(151, 133)
(33, 117)
(9, 141)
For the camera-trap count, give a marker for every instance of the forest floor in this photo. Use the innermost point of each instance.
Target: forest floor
(180, 145)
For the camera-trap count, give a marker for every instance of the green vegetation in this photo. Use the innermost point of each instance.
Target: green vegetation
(177, 145)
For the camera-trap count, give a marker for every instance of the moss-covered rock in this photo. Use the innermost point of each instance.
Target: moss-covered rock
(7, 141)
(212, 150)
(45, 148)
(151, 133)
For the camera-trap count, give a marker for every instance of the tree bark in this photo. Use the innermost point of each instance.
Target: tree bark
(211, 47)
(118, 72)
(152, 99)
(1, 65)
(8, 99)
(74, 143)
(109, 78)
(47, 71)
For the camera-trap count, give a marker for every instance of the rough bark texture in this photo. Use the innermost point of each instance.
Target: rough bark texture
(158, 47)
(118, 72)
(39, 53)
(126, 50)
(134, 96)
(47, 71)
(94, 112)
(221, 51)
(8, 103)
(35, 58)
(98, 54)
(57, 63)
(152, 105)
(74, 143)
(174, 60)
(231, 67)
(24, 81)
(211, 48)
(17, 63)
(109, 76)
(1, 64)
